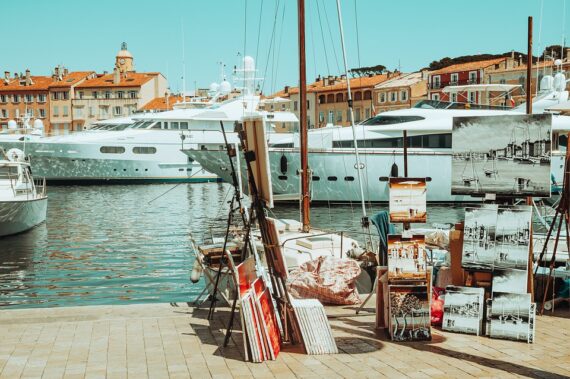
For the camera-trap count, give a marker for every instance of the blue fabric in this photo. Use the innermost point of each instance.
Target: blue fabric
(381, 221)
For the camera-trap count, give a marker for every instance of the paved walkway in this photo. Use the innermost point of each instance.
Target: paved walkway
(176, 341)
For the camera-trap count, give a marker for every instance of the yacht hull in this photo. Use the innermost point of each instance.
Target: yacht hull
(19, 216)
(335, 178)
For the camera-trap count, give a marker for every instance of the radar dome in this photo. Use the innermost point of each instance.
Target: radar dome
(15, 155)
(225, 87)
(214, 87)
(248, 63)
(559, 82)
(38, 124)
(12, 125)
(546, 83)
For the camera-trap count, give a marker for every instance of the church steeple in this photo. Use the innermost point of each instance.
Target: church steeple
(124, 60)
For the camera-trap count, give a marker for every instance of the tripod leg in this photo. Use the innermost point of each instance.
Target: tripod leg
(368, 297)
(230, 323)
(552, 262)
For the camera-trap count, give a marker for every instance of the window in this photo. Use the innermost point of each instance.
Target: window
(339, 98)
(502, 81)
(393, 96)
(348, 115)
(331, 117)
(117, 111)
(4, 113)
(382, 97)
(157, 125)
(184, 125)
(29, 98)
(2, 98)
(42, 113)
(472, 97)
(282, 177)
(308, 105)
(357, 96)
(435, 96)
(404, 95)
(367, 113)
(112, 149)
(332, 178)
(78, 112)
(54, 95)
(357, 115)
(472, 77)
(41, 98)
(322, 99)
(104, 111)
(454, 97)
(65, 95)
(295, 105)
(454, 78)
(107, 94)
(339, 116)
(321, 116)
(91, 111)
(174, 125)
(349, 178)
(436, 81)
(144, 150)
(330, 98)
(316, 178)
(65, 111)
(56, 111)
(95, 94)
(133, 94)
(16, 99)
(367, 95)
(428, 141)
(80, 95)
(120, 94)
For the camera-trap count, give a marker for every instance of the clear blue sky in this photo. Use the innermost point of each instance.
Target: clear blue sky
(85, 35)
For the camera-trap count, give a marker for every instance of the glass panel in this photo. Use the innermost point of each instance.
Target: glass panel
(112, 149)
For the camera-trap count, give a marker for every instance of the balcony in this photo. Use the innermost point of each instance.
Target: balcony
(443, 84)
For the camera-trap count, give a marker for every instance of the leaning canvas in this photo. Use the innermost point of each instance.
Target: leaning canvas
(479, 237)
(409, 313)
(408, 200)
(513, 237)
(512, 317)
(510, 280)
(463, 309)
(502, 155)
(406, 257)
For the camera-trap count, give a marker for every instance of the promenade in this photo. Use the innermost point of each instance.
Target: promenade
(177, 341)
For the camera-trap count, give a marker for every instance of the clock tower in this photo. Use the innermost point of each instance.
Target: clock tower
(124, 60)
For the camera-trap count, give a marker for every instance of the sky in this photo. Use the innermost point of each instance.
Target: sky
(161, 35)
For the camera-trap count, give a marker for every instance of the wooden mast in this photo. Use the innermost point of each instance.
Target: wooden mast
(303, 129)
(530, 278)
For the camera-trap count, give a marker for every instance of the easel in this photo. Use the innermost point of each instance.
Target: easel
(561, 215)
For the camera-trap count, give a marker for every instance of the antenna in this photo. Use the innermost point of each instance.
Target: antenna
(183, 63)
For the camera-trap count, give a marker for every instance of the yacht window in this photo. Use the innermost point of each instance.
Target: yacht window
(184, 125)
(158, 125)
(174, 125)
(390, 120)
(282, 177)
(112, 149)
(7, 172)
(316, 178)
(349, 178)
(332, 178)
(144, 125)
(563, 141)
(284, 145)
(429, 141)
(144, 150)
(119, 127)
(165, 125)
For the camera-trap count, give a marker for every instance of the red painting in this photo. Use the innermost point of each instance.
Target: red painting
(273, 333)
(246, 275)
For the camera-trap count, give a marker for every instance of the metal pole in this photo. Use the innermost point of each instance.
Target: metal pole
(529, 68)
(358, 164)
(305, 215)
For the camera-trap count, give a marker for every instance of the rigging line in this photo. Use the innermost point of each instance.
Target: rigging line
(279, 47)
(270, 46)
(539, 46)
(323, 39)
(312, 41)
(258, 38)
(357, 36)
(563, 30)
(332, 40)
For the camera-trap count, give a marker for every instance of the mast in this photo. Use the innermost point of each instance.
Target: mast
(529, 68)
(358, 164)
(303, 130)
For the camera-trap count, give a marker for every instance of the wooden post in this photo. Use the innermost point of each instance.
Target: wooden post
(303, 127)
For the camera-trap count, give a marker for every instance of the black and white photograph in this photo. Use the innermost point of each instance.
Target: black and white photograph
(510, 280)
(463, 309)
(511, 316)
(513, 237)
(409, 313)
(514, 162)
(479, 237)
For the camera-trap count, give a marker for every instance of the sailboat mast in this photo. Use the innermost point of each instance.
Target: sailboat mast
(358, 164)
(303, 129)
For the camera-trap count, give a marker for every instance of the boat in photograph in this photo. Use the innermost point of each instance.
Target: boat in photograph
(23, 203)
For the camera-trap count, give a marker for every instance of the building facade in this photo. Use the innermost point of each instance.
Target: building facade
(457, 75)
(401, 92)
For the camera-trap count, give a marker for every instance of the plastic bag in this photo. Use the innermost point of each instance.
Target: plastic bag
(437, 301)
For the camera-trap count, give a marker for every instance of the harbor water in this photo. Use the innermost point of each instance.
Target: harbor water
(131, 244)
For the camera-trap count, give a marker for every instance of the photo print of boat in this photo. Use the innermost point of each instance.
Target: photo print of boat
(512, 316)
(463, 309)
(408, 200)
(479, 237)
(510, 280)
(513, 237)
(502, 155)
(406, 257)
(409, 313)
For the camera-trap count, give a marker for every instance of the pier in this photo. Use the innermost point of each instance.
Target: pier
(177, 341)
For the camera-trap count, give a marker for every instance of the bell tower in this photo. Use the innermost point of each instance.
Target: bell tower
(124, 60)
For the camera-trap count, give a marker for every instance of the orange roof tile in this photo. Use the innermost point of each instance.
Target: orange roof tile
(522, 67)
(159, 103)
(130, 79)
(71, 79)
(468, 66)
(39, 83)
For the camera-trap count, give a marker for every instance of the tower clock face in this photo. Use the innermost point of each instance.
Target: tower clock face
(122, 61)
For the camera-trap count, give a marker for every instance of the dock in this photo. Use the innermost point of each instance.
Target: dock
(177, 341)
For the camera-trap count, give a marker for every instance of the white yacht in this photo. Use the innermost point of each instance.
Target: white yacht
(380, 139)
(144, 147)
(23, 204)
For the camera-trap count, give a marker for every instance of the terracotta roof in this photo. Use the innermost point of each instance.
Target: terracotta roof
(401, 81)
(318, 86)
(71, 79)
(159, 103)
(39, 83)
(468, 66)
(130, 79)
(522, 67)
